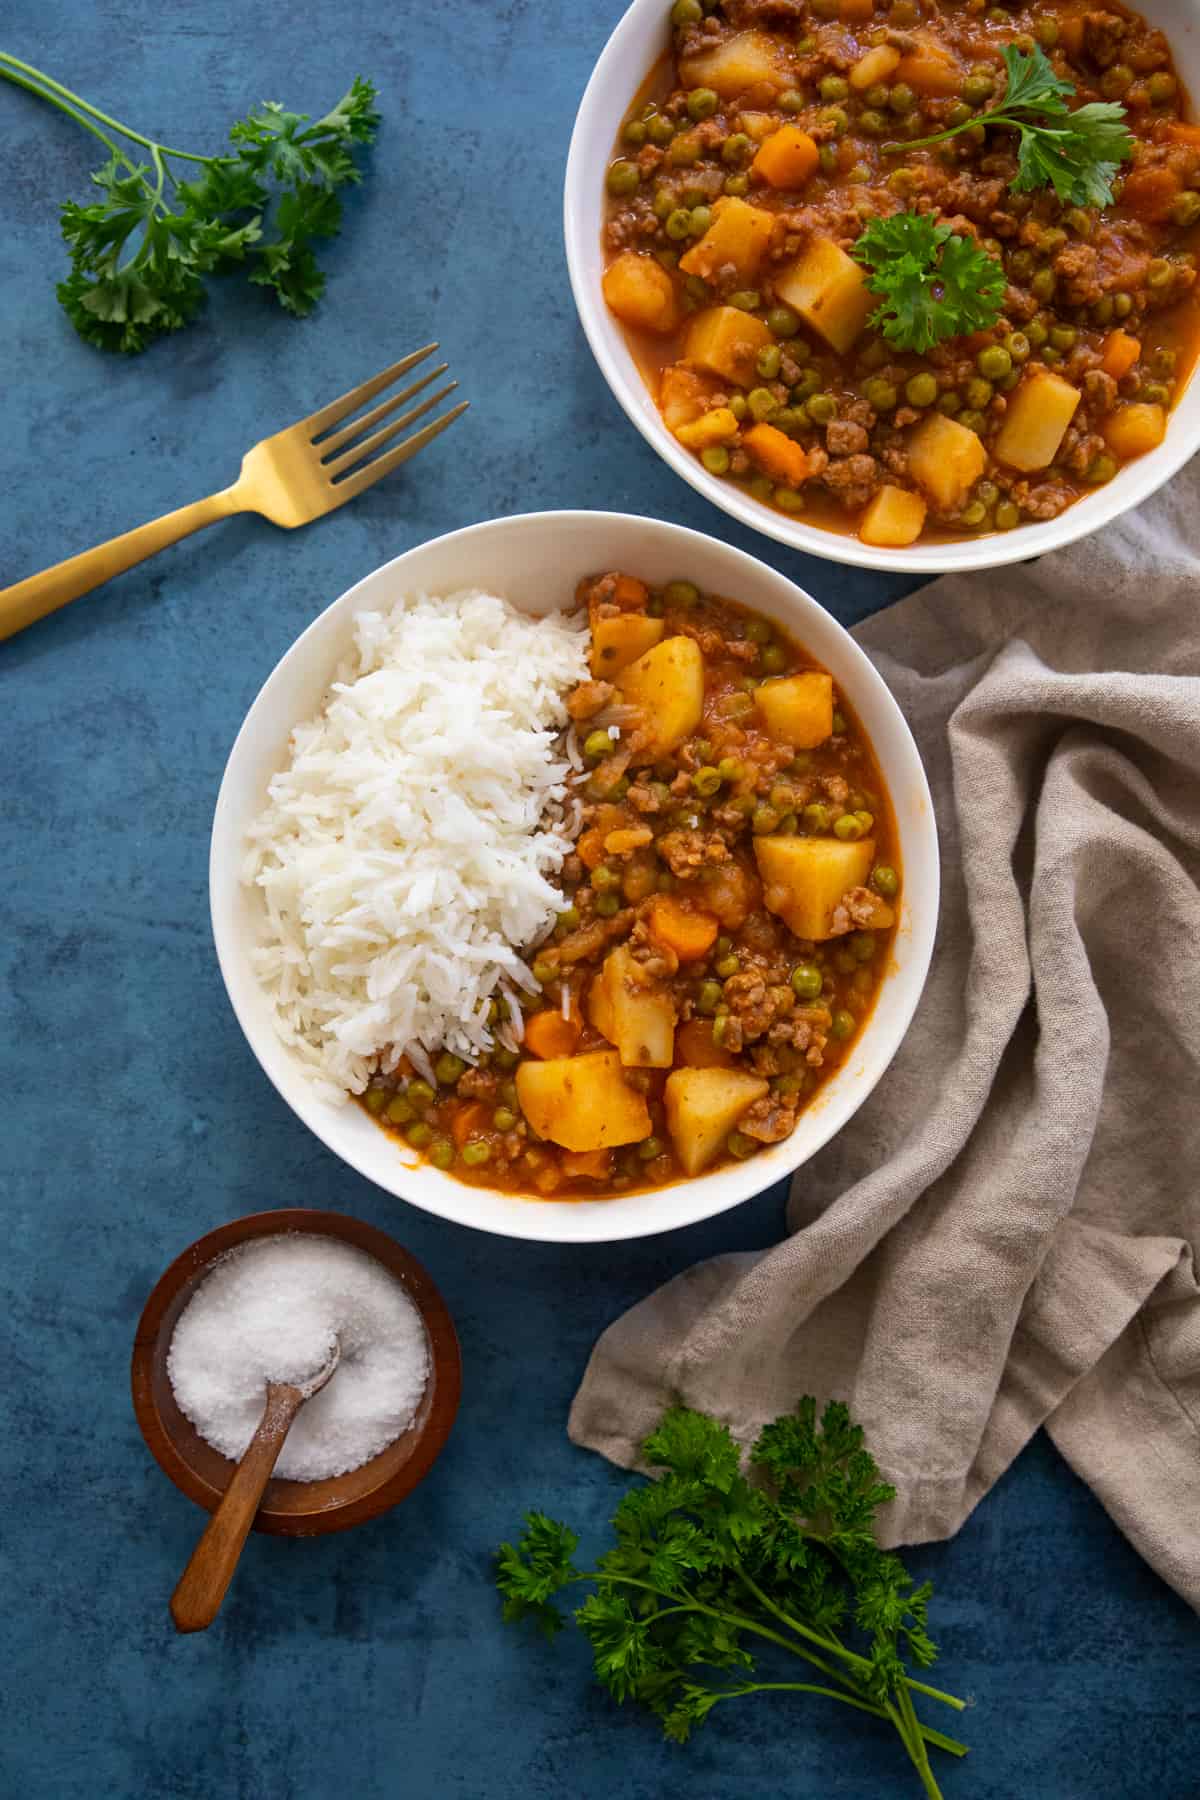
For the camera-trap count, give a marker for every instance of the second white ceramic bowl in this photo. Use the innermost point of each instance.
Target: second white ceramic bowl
(535, 561)
(640, 38)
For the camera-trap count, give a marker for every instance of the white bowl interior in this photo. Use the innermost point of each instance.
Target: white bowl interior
(639, 39)
(535, 561)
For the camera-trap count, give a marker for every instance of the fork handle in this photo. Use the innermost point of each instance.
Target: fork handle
(38, 595)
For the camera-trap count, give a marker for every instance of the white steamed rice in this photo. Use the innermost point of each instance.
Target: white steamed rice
(408, 844)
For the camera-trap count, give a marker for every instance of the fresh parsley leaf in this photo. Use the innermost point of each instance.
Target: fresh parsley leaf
(1077, 153)
(934, 284)
(711, 1572)
(141, 253)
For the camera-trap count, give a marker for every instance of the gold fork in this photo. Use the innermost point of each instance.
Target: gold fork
(297, 475)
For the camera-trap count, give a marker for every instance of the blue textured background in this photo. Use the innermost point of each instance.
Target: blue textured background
(134, 1118)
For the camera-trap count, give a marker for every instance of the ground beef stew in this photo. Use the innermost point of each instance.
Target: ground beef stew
(741, 200)
(728, 915)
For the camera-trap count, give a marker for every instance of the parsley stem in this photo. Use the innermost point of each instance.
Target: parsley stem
(32, 88)
(916, 1742)
(56, 87)
(940, 137)
(804, 1687)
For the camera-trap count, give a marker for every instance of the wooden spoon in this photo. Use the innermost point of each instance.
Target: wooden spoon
(197, 1600)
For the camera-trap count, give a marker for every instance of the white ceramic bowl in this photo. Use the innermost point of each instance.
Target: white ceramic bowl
(536, 560)
(638, 41)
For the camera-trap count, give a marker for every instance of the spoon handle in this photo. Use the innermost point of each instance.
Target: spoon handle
(197, 1600)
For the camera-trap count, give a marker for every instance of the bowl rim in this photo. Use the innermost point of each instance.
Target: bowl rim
(719, 1191)
(445, 1365)
(1133, 484)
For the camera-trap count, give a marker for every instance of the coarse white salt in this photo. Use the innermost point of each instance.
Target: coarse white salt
(271, 1311)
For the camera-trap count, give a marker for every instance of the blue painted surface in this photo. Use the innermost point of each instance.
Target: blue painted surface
(134, 1118)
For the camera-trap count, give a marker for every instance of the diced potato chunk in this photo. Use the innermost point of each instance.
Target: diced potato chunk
(717, 426)
(786, 158)
(726, 341)
(667, 686)
(895, 517)
(599, 1007)
(776, 454)
(1132, 430)
(639, 1014)
(739, 234)
(618, 642)
(703, 1106)
(829, 291)
(930, 70)
(582, 1102)
(1036, 421)
(946, 460)
(804, 879)
(683, 395)
(757, 125)
(798, 709)
(640, 292)
(875, 66)
(750, 59)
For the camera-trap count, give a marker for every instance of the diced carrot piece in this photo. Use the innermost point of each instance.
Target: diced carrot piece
(589, 1165)
(1150, 193)
(629, 593)
(640, 292)
(548, 1034)
(776, 454)
(1179, 133)
(469, 1120)
(931, 71)
(856, 12)
(694, 1047)
(787, 158)
(688, 931)
(1133, 430)
(1121, 351)
(590, 848)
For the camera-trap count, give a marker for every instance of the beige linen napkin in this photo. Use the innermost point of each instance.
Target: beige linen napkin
(1003, 1237)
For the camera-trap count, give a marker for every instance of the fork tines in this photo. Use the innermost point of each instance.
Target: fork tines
(350, 456)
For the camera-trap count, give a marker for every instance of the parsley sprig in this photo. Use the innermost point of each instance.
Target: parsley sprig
(710, 1569)
(934, 284)
(1077, 153)
(141, 253)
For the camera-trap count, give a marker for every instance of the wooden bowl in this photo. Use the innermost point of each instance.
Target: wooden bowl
(294, 1508)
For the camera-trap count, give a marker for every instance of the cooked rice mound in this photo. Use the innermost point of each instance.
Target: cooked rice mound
(407, 851)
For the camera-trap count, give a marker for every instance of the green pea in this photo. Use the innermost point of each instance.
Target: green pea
(738, 407)
(873, 122)
(736, 185)
(741, 1146)
(1052, 240)
(791, 101)
(1036, 333)
(806, 981)
(700, 218)
(475, 1153)
(974, 514)
(774, 660)
(603, 878)
(782, 322)
(849, 827)
(827, 156)
(706, 780)
(1021, 265)
(606, 905)
(1082, 222)
(808, 385)
(715, 459)
(1122, 305)
(679, 223)
(723, 945)
(681, 593)
(401, 1110)
(950, 402)
(836, 119)
(816, 816)
(543, 970)
(1046, 32)
(1155, 393)
(505, 1059)
(1051, 354)
(622, 178)
(729, 768)
(660, 130)
(768, 360)
(822, 408)
(1159, 273)
(568, 919)
(902, 99)
(1186, 209)
(649, 1148)
(833, 87)
(597, 744)
(1102, 469)
(663, 203)
(702, 103)
(971, 420)
(958, 114)
(448, 1068)
(441, 1153)
(921, 390)
(903, 182)
(995, 361)
(880, 394)
(745, 299)
(375, 1099)
(1044, 284)
(1102, 310)
(885, 880)
(708, 996)
(763, 820)
(789, 499)
(728, 965)
(420, 1093)
(761, 403)
(1161, 87)
(977, 88)
(686, 12)
(1017, 346)
(758, 631)
(419, 1135)
(978, 392)
(1063, 337)
(504, 1118)
(736, 148)
(1007, 516)
(634, 133)
(843, 1024)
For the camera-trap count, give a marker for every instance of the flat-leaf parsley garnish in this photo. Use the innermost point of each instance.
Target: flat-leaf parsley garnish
(1077, 153)
(933, 283)
(711, 1571)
